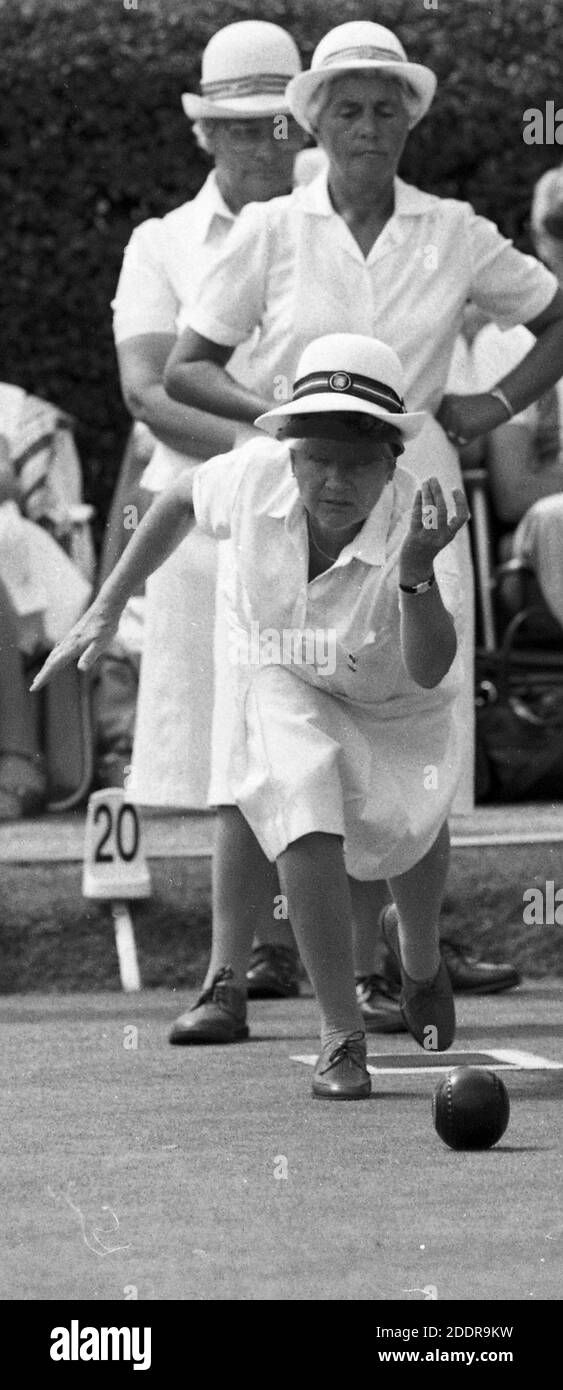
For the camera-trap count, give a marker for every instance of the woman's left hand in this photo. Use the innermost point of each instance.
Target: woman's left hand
(466, 417)
(430, 530)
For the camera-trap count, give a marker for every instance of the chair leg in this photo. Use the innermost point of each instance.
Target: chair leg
(75, 797)
(485, 581)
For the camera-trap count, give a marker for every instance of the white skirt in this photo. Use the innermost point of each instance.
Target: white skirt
(172, 744)
(306, 761)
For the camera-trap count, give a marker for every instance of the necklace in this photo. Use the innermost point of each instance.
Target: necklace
(318, 547)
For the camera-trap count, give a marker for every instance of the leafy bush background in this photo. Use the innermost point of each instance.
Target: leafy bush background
(95, 141)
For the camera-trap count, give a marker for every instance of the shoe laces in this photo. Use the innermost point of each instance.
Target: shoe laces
(216, 990)
(352, 1047)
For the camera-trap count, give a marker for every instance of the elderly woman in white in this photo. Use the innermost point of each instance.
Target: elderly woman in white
(359, 250)
(239, 114)
(328, 758)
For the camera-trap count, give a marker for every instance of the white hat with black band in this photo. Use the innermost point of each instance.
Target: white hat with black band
(347, 372)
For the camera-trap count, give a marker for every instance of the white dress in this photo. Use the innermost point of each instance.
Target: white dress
(162, 266)
(330, 733)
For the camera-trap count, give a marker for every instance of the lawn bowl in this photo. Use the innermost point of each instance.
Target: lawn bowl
(470, 1108)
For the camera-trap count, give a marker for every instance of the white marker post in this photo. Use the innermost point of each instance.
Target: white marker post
(115, 870)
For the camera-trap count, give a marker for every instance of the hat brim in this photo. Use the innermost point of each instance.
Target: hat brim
(331, 403)
(304, 86)
(198, 108)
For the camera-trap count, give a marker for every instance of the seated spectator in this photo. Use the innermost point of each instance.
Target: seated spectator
(23, 783)
(46, 473)
(525, 456)
(42, 589)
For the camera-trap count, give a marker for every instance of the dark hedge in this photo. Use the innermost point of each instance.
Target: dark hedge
(95, 140)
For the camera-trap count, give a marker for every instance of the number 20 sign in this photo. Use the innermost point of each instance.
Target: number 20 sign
(114, 861)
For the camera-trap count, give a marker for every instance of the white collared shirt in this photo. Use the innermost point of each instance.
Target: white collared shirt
(292, 270)
(251, 496)
(164, 261)
(163, 264)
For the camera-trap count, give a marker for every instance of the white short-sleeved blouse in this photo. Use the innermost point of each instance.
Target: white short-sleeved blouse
(331, 732)
(163, 264)
(292, 269)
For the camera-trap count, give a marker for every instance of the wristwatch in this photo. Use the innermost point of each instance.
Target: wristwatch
(418, 588)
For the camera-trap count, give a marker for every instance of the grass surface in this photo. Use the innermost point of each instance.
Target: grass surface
(157, 1169)
(52, 939)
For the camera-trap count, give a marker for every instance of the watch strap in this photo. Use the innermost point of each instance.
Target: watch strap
(418, 588)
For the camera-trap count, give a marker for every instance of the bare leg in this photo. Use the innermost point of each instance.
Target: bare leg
(418, 895)
(313, 877)
(245, 886)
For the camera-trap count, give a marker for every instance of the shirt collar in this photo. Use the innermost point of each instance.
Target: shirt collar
(409, 201)
(210, 204)
(375, 539)
(284, 501)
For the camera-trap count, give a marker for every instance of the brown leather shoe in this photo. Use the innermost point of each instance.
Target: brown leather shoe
(218, 1016)
(468, 974)
(273, 972)
(341, 1072)
(425, 1004)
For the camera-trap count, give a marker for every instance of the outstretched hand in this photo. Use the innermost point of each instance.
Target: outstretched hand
(430, 529)
(85, 643)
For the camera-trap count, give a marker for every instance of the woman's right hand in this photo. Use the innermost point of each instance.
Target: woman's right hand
(465, 418)
(85, 643)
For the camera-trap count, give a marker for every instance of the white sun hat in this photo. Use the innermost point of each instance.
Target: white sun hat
(360, 46)
(347, 372)
(245, 70)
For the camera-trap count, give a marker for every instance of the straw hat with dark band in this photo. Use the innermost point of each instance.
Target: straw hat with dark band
(245, 71)
(360, 46)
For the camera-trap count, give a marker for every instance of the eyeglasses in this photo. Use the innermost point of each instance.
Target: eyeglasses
(274, 130)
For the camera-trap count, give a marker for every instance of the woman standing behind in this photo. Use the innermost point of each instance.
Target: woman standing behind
(241, 120)
(359, 244)
(245, 69)
(359, 250)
